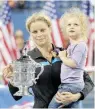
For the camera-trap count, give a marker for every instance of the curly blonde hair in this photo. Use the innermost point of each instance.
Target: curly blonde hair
(40, 16)
(75, 12)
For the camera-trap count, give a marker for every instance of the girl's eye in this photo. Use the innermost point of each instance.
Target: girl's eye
(42, 30)
(69, 24)
(76, 24)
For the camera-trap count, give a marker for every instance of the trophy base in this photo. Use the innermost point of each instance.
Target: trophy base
(23, 91)
(19, 93)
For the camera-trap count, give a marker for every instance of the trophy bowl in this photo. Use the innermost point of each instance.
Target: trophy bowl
(24, 71)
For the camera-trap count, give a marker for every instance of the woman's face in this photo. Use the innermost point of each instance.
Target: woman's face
(40, 33)
(73, 28)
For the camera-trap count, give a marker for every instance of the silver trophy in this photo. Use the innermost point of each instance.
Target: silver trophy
(24, 74)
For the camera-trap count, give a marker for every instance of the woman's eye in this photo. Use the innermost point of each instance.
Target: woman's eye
(34, 32)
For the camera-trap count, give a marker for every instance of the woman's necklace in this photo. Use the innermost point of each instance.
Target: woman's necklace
(48, 56)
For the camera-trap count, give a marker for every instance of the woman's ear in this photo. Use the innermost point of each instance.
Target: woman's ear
(31, 37)
(50, 29)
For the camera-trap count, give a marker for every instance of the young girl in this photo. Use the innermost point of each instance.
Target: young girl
(74, 25)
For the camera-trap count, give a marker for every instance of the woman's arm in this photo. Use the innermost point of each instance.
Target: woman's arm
(89, 85)
(13, 90)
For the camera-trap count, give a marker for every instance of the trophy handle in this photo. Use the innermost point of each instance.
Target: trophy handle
(38, 65)
(42, 69)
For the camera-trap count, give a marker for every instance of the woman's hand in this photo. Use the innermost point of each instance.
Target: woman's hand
(8, 72)
(67, 97)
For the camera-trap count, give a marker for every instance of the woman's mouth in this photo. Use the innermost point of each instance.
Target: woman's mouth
(41, 39)
(71, 31)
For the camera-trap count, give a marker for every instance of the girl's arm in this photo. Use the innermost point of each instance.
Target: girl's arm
(67, 61)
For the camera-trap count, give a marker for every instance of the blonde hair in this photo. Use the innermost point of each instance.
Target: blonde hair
(40, 16)
(75, 12)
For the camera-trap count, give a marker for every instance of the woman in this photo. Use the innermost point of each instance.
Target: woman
(39, 27)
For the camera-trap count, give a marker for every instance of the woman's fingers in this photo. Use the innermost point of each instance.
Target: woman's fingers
(58, 101)
(66, 97)
(61, 95)
(66, 93)
(7, 72)
(11, 68)
(62, 99)
(58, 97)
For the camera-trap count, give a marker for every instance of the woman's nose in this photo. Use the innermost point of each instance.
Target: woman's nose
(39, 33)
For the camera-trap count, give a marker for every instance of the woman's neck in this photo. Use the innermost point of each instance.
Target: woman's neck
(46, 49)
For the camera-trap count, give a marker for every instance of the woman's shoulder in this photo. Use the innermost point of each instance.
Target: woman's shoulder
(32, 51)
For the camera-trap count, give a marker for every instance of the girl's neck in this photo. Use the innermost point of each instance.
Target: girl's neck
(76, 41)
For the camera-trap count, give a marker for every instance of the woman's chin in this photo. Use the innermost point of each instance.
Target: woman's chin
(41, 44)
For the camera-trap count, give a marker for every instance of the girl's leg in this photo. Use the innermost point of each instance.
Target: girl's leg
(54, 103)
(77, 104)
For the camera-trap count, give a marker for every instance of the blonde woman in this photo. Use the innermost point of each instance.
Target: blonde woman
(39, 27)
(74, 24)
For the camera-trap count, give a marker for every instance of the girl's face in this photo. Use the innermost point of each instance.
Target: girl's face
(73, 28)
(40, 33)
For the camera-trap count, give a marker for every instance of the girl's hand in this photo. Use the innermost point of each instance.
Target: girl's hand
(63, 53)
